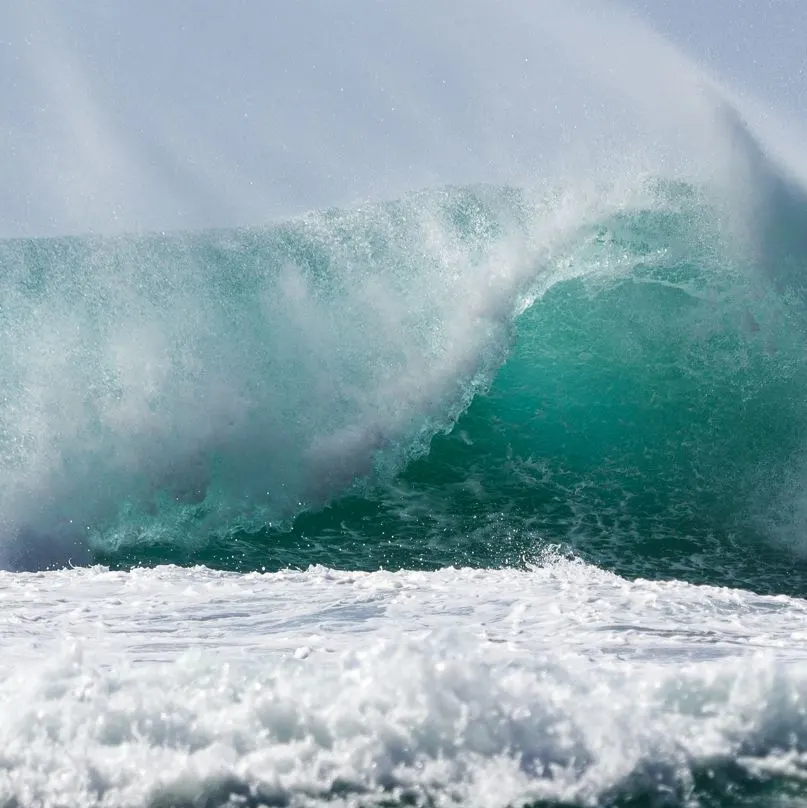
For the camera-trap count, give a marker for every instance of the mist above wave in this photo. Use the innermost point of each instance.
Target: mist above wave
(270, 113)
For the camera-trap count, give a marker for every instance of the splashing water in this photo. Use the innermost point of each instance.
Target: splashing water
(481, 483)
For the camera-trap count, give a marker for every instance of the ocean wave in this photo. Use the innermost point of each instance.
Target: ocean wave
(462, 376)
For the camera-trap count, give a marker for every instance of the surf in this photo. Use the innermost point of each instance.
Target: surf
(401, 406)
(466, 375)
(198, 392)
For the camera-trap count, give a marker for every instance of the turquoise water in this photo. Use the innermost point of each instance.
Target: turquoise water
(452, 379)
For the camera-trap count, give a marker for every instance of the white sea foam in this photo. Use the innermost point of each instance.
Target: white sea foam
(486, 688)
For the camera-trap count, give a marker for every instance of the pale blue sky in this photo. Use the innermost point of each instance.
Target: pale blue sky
(167, 114)
(761, 44)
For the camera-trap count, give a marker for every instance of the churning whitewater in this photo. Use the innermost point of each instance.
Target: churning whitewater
(484, 494)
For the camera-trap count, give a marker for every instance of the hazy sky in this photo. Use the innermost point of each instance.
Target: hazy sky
(164, 114)
(760, 44)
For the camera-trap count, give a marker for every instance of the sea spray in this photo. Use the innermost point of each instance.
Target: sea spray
(177, 387)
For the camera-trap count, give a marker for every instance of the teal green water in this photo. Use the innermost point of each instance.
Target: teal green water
(633, 424)
(451, 379)
(650, 419)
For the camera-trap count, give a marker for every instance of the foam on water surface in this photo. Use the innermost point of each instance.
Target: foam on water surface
(561, 684)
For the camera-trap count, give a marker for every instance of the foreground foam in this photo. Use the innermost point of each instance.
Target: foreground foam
(562, 684)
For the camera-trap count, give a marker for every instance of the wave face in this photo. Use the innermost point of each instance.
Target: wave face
(463, 377)
(181, 387)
